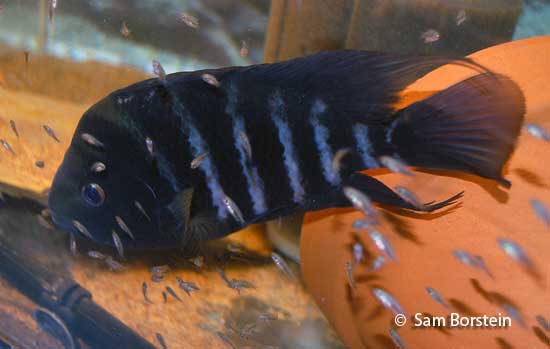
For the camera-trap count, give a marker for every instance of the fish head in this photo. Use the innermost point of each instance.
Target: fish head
(108, 181)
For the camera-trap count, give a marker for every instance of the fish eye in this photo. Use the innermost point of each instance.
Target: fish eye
(98, 167)
(93, 194)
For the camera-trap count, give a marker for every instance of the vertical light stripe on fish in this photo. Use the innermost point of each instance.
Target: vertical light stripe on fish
(199, 147)
(255, 183)
(361, 133)
(321, 136)
(277, 107)
(389, 131)
(166, 171)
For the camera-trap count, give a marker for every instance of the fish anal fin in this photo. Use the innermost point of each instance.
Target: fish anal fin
(384, 195)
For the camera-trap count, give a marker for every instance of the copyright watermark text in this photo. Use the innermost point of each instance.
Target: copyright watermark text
(455, 320)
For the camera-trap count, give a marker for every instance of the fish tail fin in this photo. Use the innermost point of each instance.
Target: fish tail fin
(472, 127)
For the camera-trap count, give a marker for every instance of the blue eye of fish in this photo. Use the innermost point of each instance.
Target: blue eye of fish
(93, 194)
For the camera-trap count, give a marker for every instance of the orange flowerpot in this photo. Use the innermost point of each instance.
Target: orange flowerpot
(424, 244)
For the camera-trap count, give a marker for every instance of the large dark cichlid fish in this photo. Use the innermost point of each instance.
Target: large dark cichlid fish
(169, 162)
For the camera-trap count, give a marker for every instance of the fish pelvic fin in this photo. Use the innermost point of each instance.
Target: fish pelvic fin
(471, 127)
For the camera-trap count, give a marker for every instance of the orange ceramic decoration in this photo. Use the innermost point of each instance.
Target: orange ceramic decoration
(424, 244)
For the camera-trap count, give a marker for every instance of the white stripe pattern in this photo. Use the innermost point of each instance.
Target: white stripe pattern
(255, 183)
(199, 147)
(321, 136)
(361, 133)
(277, 105)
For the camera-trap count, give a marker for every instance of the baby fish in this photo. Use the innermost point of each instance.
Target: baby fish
(234, 283)
(383, 244)
(96, 255)
(396, 338)
(357, 252)
(388, 301)
(46, 213)
(360, 200)
(437, 297)
(514, 314)
(378, 263)
(513, 250)
(45, 222)
(7, 146)
(157, 277)
(267, 317)
(410, 197)
(14, 128)
(246, 144)
(82, 229)
(88, 138)
(158, 70)
(198, 261)
(537, 131)
(396, 165)
(173, 293)
(281, 264)
(196, 162)
(50, 132)
(161, 340)
(233, 209)
(337, 159)
(247, 330)
(349, 274)
(543, 322)
(187, 286)
(149, 144)
(461, 17)
(364, 224)
(244, 49)
(51, 9)
(189, 20)
(480, 263)
(113, 265)
(226, 339)
(124, 30)
(142, 210)
(238, 285)
(124, 227)
(465, 258)
(430, 36)
(118, 244)
(164, 297)
(144, 288)
(541, 211)
(234, 249)
(98, 167)
(72, 244)
(210, 80)
(39, 164)
(160, 269)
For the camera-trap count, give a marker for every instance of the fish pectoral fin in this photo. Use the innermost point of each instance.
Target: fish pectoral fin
(176, 218)
(382, 194)
(205, 226)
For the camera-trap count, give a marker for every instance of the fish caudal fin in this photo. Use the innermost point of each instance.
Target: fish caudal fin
(471, 127)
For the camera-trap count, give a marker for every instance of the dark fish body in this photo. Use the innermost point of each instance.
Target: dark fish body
(271, 132)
